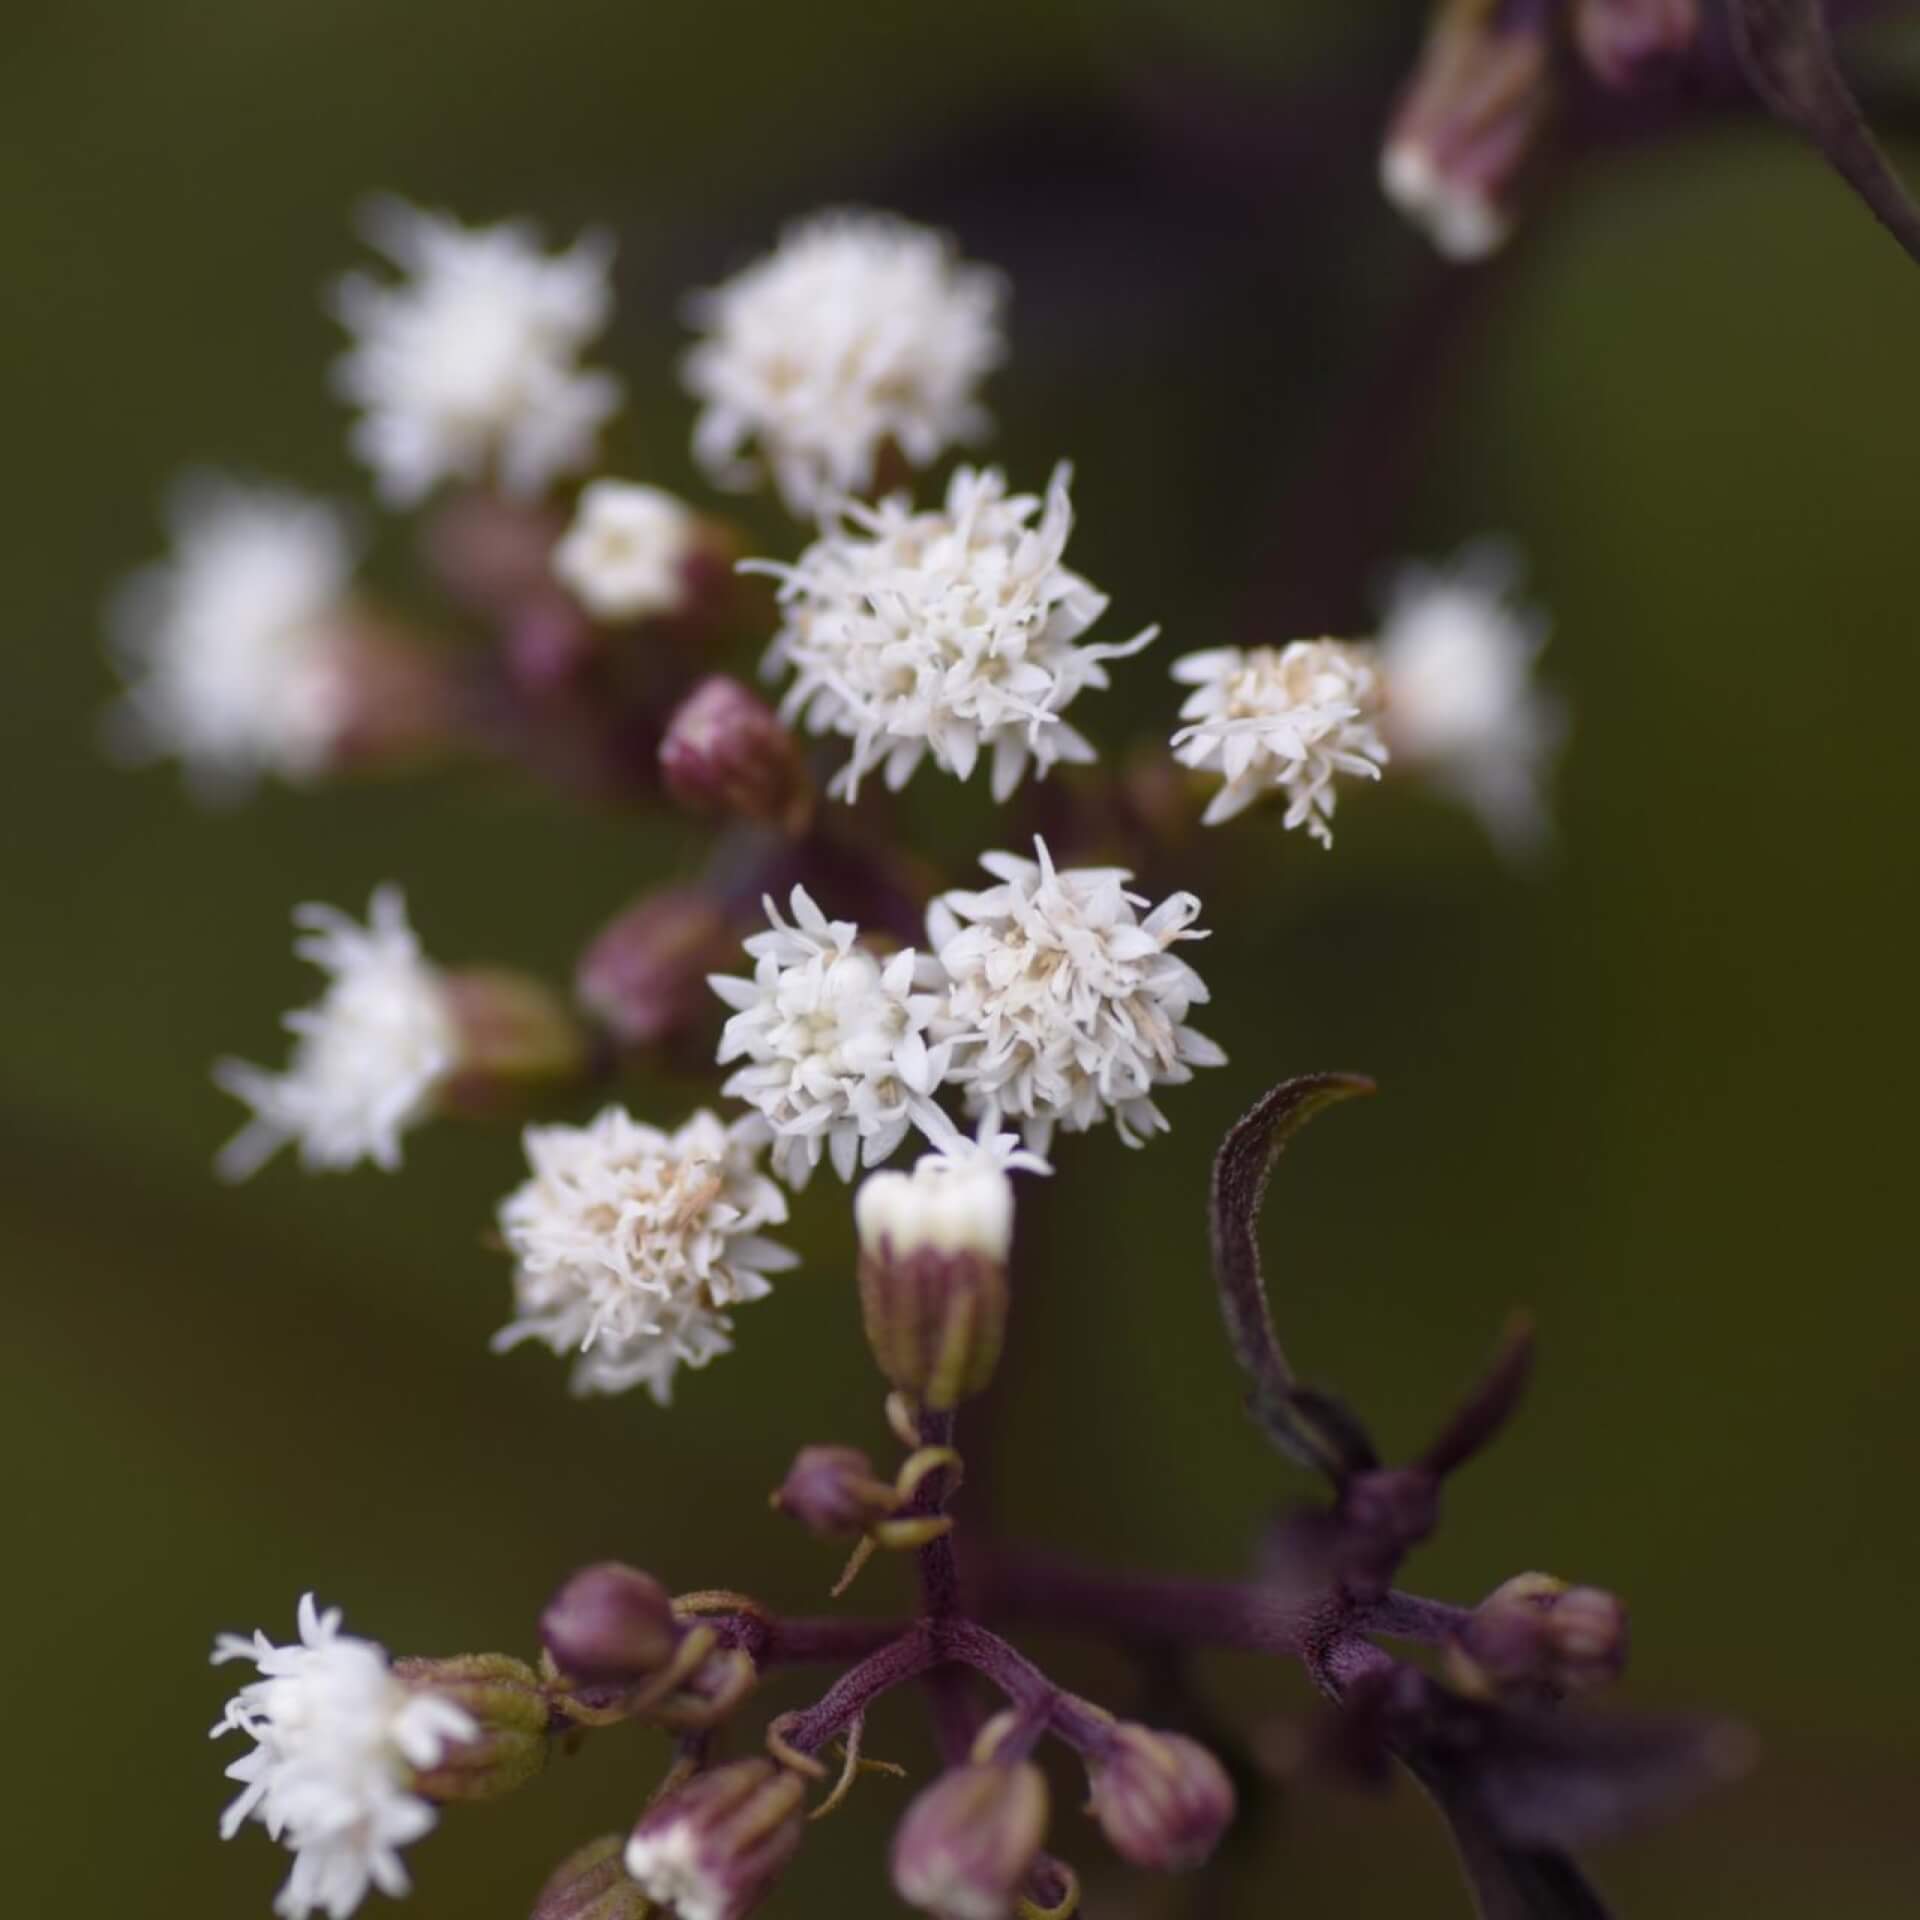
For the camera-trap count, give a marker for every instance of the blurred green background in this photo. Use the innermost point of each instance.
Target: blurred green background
(1658, 1091)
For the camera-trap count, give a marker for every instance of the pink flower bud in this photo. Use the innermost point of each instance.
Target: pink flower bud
(1535, 1637)
(725, 751)
(1161, 1799)
(968, 1840)
(712, 1849)
(515, 1035)
(592, 1884)
(644, 978)
(610, 1625)
(833, 1491)
(1631, 45)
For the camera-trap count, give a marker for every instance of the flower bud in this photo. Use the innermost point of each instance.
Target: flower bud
(1468, 124)
(610, 1625)
(933, 1275)
(968, 1841)
(1536, 1637)
(505, 1700)
(710, 1850)
(834, 1492)
(492, 553)
(514, 1035)
(725, 751)
(592, 1884)
(1161, 1799)
(644, 978)
(398, 702)
(1631, 45)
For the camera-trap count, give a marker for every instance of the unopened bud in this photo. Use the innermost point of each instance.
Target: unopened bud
(1468, 124)
(834, 1492)
(515, 1035)
(726, 751)
(968, 1841)
(397, 702)
(1161, 1799)
(492, 553)
(1632, 45)
(505, 1700)
(710, 1850)
(1535, 1636)
(611, 1625)
(593, 1884)
(644, 978)
(933, 1275)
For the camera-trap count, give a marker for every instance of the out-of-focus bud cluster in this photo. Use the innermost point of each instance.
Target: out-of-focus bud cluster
(593, 1884)
(644, 977)
(712, 1849)
(617, 1650)
(1470, 121)
(1535, 1637)
(1633, 45)
(725, 751)
(934, 1246)
(506, 1701)
(514, 1036)
(1162, 1800)
(969, 1840)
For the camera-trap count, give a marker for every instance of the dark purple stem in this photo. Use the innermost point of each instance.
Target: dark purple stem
(802, 1640)
(939, 1570)
(856, 1690)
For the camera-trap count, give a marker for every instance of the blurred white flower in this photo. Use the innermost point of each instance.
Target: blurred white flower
(1462, 703)
(625, 556)
(1065, 1007)
(467, 368)
(368, 1056)
(1456, 212)
(835, 1042)
(629, 1243)
(231, 646)
(950, 632)
(337, 1741)
(1289, 718)
(858, 330)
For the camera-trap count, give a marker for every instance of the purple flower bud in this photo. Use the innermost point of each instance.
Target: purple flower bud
(644, 978)
(592, 1884)
(968, 1840)
(1631, 45)
(610, 1625)
(726, 751)
(1161, 1799)
(1468, 124)
(710, 1850)
(514, 1036)
(1536, 1637)
(833, 1491)
(507, 1703)
(933, 1275)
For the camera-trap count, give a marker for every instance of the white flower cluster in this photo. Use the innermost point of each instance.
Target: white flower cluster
(625, 557)
(1462, 704)
(1287, 718)
(858, 332)
(467, 368)
(337, 1739)
(231, 645)
(1047, 1001)
(368, 1057)
(950, 632)
(630, 1244)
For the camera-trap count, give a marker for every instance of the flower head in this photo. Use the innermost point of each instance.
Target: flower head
(338, 1741)
(1066, 1007)
(1457, 659)
(951, 632)
(231, 645)
(630, 1244)
(1281, 717)
(834, 1040)
(859, 330)
(712, 1849)
(968, 1841)
(467, 367)
(626, 555)
(368, 1057)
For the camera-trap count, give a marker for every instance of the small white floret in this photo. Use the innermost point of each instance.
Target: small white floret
(368, 1056)
(630, 1244)
(859, 331)
(1286, 719)
(625, 557)
(953, 633)
(337, 1742)
(467, 368)
(669, 1866)
(1463, 221)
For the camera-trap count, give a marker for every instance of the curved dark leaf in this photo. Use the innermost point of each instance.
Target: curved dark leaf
(1314, 1427)
(1489, 1406)
(1787, 56)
